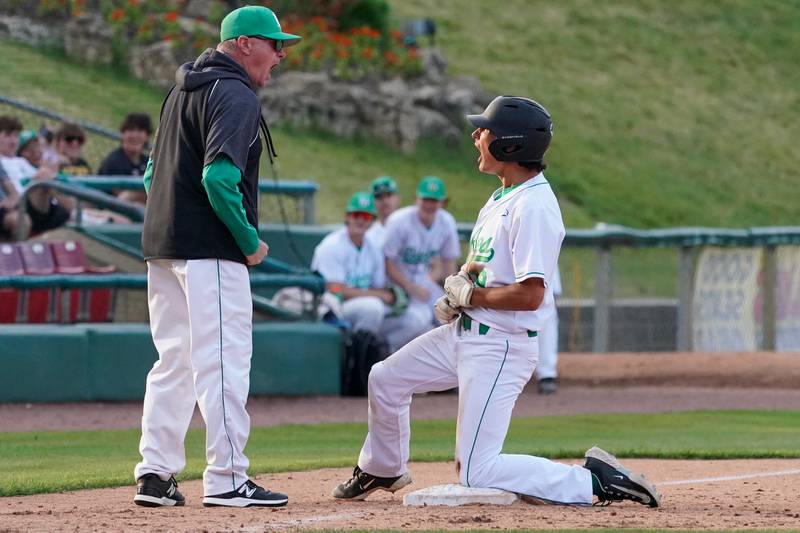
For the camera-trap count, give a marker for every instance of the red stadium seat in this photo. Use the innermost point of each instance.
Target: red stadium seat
(10, 299)
(94, 305)
(42, 304)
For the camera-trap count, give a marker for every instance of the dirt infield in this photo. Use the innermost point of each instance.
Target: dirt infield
(694, 502)
(753, 494)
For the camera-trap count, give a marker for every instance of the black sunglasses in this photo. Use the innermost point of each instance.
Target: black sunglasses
(276, 43)
(73, 138)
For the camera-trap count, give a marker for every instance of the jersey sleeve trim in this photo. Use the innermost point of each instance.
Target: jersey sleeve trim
(531, 274)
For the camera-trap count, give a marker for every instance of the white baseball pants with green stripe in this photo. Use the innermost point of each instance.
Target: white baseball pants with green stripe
(201, 320)
(490, 371)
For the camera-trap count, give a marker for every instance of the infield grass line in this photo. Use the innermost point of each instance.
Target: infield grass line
(41, 462)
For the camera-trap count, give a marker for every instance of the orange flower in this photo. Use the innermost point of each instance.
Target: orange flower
(341, 53)
(368, 53)
(133, 2)
(390, 57)
(316, 53)
(341, 40)
(117, 14)
(172, 16)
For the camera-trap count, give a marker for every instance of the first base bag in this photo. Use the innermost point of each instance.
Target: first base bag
(362, 349)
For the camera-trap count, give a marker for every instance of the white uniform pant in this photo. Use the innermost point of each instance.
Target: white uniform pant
(490, 371)
(401, 329)
(364, 313)
(548, 350)
(201, 321)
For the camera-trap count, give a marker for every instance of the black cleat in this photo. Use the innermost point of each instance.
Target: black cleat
(248, 495)
(362, 485)
(547, 386)
(152, 492)
(617, 483)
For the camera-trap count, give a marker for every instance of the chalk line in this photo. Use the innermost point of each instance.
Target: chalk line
(729, 478)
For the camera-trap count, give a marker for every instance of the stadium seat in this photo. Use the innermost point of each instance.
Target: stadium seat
(10, 299)
(93, 305)
(42, 304)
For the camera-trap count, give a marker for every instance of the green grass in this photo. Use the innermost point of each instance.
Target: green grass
(55, 461)
(667, 113)
(653, 102)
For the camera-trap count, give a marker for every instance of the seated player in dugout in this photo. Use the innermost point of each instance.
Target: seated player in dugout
(492, 311)
(421, 247)
(387, 200)
(353, 268)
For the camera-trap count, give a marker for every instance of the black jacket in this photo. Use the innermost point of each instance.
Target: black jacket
(211, 110)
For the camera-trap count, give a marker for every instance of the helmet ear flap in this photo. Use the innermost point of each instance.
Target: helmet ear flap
(503, 148)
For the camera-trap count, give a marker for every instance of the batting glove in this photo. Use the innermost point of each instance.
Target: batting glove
(444, 311)
(458, 289)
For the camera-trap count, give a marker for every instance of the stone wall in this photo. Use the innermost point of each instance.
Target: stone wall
(396, 112)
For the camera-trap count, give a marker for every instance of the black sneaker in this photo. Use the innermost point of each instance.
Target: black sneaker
(152, 492)
(248, 495)
(362, 485)
(617, 483)
(547, 386)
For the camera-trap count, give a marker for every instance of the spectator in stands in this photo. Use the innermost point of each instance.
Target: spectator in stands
(69, 145)
(41, 207)
(47, 138)
(130, 158)
(47, 211)
(387, 200)
(8, 208)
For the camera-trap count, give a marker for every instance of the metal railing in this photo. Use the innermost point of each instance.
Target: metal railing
(687, 242)
(302, 190)
(311, 282)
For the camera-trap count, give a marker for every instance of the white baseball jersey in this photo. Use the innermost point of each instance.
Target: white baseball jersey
(341, 261)
(412, 245)
(518, 236)
(17, 169)
(377, 234)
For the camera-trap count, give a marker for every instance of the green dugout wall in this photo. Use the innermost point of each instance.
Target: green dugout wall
(107, 362)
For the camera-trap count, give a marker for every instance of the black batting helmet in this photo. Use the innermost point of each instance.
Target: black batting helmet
(523, 128)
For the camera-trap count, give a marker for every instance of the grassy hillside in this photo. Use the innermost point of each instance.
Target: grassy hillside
(666, 113)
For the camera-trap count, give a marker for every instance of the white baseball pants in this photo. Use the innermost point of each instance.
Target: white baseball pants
(201, 321)
(490, 371)
(364, 313)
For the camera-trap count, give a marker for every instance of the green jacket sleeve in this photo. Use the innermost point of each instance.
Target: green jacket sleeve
(220, 180)
(148, 175)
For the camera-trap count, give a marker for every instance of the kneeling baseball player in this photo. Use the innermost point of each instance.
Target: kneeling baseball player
(492, 312)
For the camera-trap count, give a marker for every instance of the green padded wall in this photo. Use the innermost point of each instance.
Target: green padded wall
(43, 364)
(109, 362)
(295, 359)
(120, 356)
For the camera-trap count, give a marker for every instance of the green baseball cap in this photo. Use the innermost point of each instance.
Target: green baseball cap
(431, 187)
(383, 185)
(362, 202)
(25, 137)
(254, 21)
